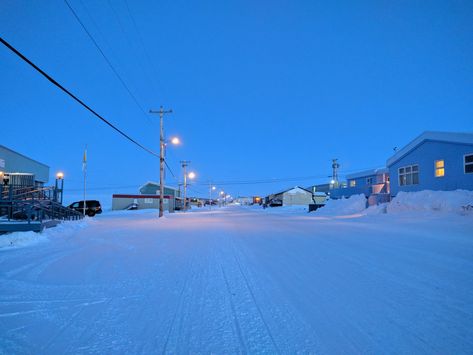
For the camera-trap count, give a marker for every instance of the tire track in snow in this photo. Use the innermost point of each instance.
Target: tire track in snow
(61, 330)
(178, 307)
(232, 306)
(252, 294)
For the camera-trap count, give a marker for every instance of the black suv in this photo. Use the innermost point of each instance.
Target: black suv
(92, 207)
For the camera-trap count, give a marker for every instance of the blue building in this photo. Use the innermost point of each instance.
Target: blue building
(433, 161)
(373, 182)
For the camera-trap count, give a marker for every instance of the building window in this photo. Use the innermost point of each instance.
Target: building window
(439, 168)
(352, 183)
(409, 175)
(369, 181)
(468, 163)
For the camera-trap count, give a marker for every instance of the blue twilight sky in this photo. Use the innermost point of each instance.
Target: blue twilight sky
(259, 89)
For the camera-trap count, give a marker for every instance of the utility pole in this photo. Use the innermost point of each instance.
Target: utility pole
(161, 113)
(335, 167)
(184, 164)
(211, 188)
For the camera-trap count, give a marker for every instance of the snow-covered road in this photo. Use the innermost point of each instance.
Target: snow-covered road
(242, 281)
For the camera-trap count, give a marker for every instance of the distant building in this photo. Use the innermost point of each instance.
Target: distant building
(367, 182)
(140, 202)
(148, 198)
(152, 188)
(319, 188)
(433, 161)
(21, 170)
(296, 196)
(245, 200)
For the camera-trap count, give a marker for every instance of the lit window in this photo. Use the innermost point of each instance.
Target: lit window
(352, 183)
(409, 175)
(469, 164)
(439, 168)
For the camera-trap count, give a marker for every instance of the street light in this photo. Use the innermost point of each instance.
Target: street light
(191, 176)
(175, 140)
(211, 188)
(60, 176)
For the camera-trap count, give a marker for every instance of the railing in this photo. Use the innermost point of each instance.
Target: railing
(33, 204)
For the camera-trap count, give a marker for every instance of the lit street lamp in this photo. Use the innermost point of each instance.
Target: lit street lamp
(191, 176)
(211, 188)
(175, 141)
(58, 192)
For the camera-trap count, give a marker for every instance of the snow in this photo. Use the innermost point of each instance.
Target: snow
(242, 280)
(26, 239)
(297, 190)
(405, 202)
(427, 200)
(21, 239)
(344, 206)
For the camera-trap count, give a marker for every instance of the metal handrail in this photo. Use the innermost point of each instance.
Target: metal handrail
(34, 204)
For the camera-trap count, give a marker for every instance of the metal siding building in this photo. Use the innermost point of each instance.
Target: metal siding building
(296, 196)
(433, 161)
(152, 188)
(12, 162)
(122, 201)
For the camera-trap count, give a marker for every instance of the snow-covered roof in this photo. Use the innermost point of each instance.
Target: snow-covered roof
(366, 173)
(157, 184)
(450, 137)
(294, 189)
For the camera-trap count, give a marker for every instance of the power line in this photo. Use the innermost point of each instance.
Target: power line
(106, 59)
(274, 180)
(143, 47)
(88, 108)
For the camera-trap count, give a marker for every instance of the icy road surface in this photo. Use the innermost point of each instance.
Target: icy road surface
(242, 281)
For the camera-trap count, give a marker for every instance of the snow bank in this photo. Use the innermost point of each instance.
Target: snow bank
(301, 209)
(428, 200)
(26, 239)
(21, 239)
(345, 206)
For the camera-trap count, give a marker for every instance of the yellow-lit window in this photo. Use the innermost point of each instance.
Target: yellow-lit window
(352, 183)
(439, 168)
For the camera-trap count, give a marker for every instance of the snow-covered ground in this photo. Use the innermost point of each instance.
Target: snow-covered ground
(242, 280)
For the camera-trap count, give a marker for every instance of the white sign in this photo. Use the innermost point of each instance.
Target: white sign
(148, 200)
(2, 163)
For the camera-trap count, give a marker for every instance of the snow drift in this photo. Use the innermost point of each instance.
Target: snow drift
(458, 201)
(444, 201)
(345, 206)
(26, 239)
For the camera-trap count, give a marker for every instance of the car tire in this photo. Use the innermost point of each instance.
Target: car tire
(90, 213)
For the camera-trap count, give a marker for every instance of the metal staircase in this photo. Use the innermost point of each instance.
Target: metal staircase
(31, 208)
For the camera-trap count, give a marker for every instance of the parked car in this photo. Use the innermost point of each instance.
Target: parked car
(275, 202)
(92, 207)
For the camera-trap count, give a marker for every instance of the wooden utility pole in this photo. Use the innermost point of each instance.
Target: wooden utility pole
(184, 164)
(162, 143)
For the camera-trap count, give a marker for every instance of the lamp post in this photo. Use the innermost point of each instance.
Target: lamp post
(57, 191)
(211, 188)
(222, 194)
(191, 176)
